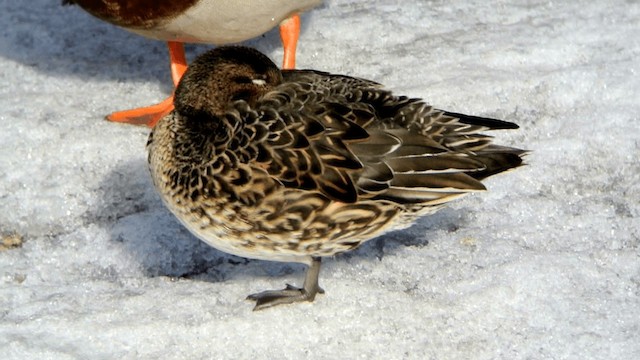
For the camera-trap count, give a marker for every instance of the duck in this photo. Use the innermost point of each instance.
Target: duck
(197, 21)
(298, 165)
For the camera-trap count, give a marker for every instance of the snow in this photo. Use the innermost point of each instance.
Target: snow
(545, 265)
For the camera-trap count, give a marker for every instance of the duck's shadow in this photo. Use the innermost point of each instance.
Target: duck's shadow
(66, 41)
(129, 208)
(138, 221)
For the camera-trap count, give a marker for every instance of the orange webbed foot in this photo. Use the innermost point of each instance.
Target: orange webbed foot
(145, 116)
(150, 115)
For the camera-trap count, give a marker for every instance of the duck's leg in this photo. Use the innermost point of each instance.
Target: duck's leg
(291, 294)
(150, 115)
(178, 61)
(289, 33)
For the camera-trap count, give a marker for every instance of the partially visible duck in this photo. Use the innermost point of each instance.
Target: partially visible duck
(198, 21)
(296, 165)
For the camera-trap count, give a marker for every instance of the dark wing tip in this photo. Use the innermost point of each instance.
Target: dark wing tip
(494, 124)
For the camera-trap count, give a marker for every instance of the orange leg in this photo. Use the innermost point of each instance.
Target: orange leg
(150, 115)
(178, 61)
(289, 33)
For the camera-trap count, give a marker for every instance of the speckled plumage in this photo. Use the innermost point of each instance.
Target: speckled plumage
(301, 164)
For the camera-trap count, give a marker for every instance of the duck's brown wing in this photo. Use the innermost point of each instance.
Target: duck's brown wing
(311, 128)
(350, 139)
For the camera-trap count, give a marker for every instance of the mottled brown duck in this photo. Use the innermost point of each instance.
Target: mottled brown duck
(296, 165)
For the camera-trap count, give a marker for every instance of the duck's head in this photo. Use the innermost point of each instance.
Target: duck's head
(223, 75)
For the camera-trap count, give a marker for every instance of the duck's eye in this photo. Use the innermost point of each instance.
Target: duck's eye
(242, 80)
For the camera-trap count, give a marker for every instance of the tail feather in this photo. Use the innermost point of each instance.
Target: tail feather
(498, 162)
(439, 156)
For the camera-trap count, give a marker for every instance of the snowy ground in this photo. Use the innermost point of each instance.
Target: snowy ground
(546, 265)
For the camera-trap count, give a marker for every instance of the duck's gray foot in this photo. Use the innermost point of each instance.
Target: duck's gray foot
(291, 294)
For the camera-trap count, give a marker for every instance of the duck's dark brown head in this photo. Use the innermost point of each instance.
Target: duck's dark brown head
(222, 75)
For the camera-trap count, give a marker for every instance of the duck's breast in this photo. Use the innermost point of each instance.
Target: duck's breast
(222, 22)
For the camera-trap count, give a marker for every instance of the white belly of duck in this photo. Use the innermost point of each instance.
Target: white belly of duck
(224, 22)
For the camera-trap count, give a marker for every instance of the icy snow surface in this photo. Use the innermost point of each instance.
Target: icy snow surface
(545, 265)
